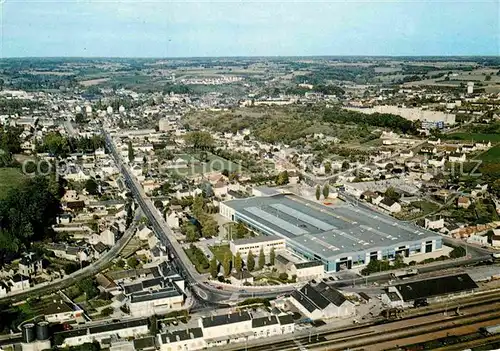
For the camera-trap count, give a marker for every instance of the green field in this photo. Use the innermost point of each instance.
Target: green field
(475, 137)
(9, 178)
(214, 163)
(491, 156)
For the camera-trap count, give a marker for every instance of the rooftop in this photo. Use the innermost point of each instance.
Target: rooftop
(326, 231)
(436, 286)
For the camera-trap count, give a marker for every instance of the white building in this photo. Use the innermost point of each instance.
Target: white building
(255, 244)
(303, 271)
(390, 205)
(321, 302)
(434, 223)
(128, 329)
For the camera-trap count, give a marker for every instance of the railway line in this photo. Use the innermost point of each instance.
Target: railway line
(382, 334)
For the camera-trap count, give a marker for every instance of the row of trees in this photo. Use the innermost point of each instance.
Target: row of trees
(231, 263)
(326, 191)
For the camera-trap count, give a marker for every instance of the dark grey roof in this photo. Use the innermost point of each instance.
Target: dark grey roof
(18, 277)
(332, 294)
(129, 289)
(285, 319)
(282, 259)
(436, 286)
(264, 321)
(304, 301)
(181, 335)
(71, 333)
(118, 326)
(100, 247)
(308, 264)
(314, 295)
(147, 342)
(222, 319)
(151, 282)
(142, 296)
(387, 201)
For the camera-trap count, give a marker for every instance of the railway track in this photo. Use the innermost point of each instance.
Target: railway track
(477, 311)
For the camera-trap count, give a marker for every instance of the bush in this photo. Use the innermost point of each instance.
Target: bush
(105, 312)
(283, 277)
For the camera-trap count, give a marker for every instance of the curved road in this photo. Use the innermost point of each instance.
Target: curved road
(74, 277)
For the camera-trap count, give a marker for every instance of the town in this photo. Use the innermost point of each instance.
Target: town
(226, 203)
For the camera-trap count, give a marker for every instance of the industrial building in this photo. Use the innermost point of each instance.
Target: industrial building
(429, 290)
(341, 237)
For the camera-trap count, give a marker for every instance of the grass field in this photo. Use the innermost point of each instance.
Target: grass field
(9, 178)
(475, 137)
(491, 156)
(214, 163)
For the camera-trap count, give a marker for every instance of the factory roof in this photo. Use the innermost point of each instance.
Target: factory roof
(323, 230)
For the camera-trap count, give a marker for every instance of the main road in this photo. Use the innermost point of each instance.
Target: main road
(200, 288)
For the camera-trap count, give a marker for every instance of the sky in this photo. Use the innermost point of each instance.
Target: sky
(187, 28)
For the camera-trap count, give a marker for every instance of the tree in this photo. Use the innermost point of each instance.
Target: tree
(241, 230)
(345, 166)
(92, 187)
(107, 311)
(213, 267)
(238, 262)
(133, 262)
(328, 167)
(198, 204)
(190, 231)
(131, 154)
(318, 192)
(210, 227)
(282, 178)
(262, 258)
(392, 194)
(88, 287)
(199, 140)
(326, 191)
(120, 263)
(272, 256)
(250, 261)
(226, 264)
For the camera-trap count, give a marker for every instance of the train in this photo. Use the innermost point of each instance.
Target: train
(491, 330)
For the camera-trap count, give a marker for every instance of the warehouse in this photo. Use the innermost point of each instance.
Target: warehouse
(429, 290)
(341, 237)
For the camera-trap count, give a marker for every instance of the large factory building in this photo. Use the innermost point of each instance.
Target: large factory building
(341, 237)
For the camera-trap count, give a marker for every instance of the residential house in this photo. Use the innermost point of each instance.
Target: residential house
(390, 205)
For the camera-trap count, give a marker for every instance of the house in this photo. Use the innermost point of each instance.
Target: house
(19, 282)
(434, 223)
(173, 220)
(457, 158)
(143, 232)
(495, 241)
(321, 302)
(437, 162)
(30, 264)
(302, 271)
(390, 205)
(58, 311)
(463, 202)
(184, 339)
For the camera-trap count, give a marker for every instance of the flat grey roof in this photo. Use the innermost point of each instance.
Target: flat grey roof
(326, 231)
